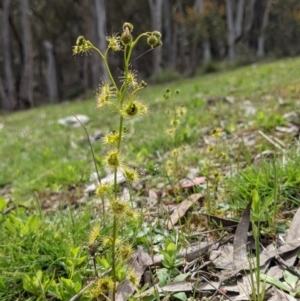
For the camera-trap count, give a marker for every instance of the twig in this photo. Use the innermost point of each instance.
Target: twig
(217, 289)
(92, 151)
(291, 269)
(94, 160)
(79, 294)
(6, 211)
(271, 140)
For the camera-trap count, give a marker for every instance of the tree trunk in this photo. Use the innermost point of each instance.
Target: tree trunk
(94, 57)
(199, 6)
(9, 102)
(261, 37)
(26, 87)
(249, 13)
(230, 29)
(156, 24)
(87, 33)
(101, 30)
(239, 18)
(51, 73)
(168, 37)
(3, 95)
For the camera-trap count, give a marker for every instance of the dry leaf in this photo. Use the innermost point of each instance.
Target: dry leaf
(140, 260)
(152, 197)
(278, 295)
(293, 233)
(182, 208)
(241, 237)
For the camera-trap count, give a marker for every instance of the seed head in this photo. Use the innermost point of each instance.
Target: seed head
(119, 207)
(130, 79)
(175, 122)
(125, 252)
(94, 234)
(111, 138)
(171, 131)
(114, 42)
(130, 174)
(133, 277)
(143, 84)
(82, 46)
(180, 111)
(107, 241)
(104, 189)
(105, 285)
(217, 132)
(175, 152)
(113, 159)
(105, 93)
(134, 108)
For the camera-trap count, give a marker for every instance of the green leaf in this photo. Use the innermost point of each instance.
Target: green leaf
(80, 260)
(180, 296)
(171, 248)
(290, 279)
(181, 277)
(67, 283)
(163, 277)
(3, 203)
(74, 252)
(255, 205)
(31, 284)
(33, 223)
(103, 263)
(54, 290)
(275, 282)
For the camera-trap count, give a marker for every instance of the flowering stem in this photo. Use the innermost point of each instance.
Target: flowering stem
(107, 68)
(113, 255)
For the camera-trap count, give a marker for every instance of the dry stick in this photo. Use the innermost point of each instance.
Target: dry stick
(94, 160)
(271, 140)
(216, 288)
(291, 269)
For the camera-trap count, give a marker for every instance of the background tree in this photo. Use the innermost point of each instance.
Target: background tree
(36, 65)
(9, 99)
(100, 17)
(156, 7)
(26, 86)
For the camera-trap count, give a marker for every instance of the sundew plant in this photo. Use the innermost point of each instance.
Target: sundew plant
(122, 98)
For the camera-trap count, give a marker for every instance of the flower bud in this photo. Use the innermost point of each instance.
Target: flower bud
(128, 25)
(157, 34)
(80, 41)
(126, 39)
(152, 41)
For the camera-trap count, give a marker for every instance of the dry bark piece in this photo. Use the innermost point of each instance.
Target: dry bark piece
(265, 258)
(186, 184)
(240, 237)
(152, 197)
(140, 260)
(72, 121)
(278, 295)
(223, 222)
(182, 208)
(212, 285)
(294, 232)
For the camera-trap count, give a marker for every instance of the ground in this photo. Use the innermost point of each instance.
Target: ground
(238, 139)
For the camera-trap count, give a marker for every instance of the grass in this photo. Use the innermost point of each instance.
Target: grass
(43, 162)
(39, 153)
